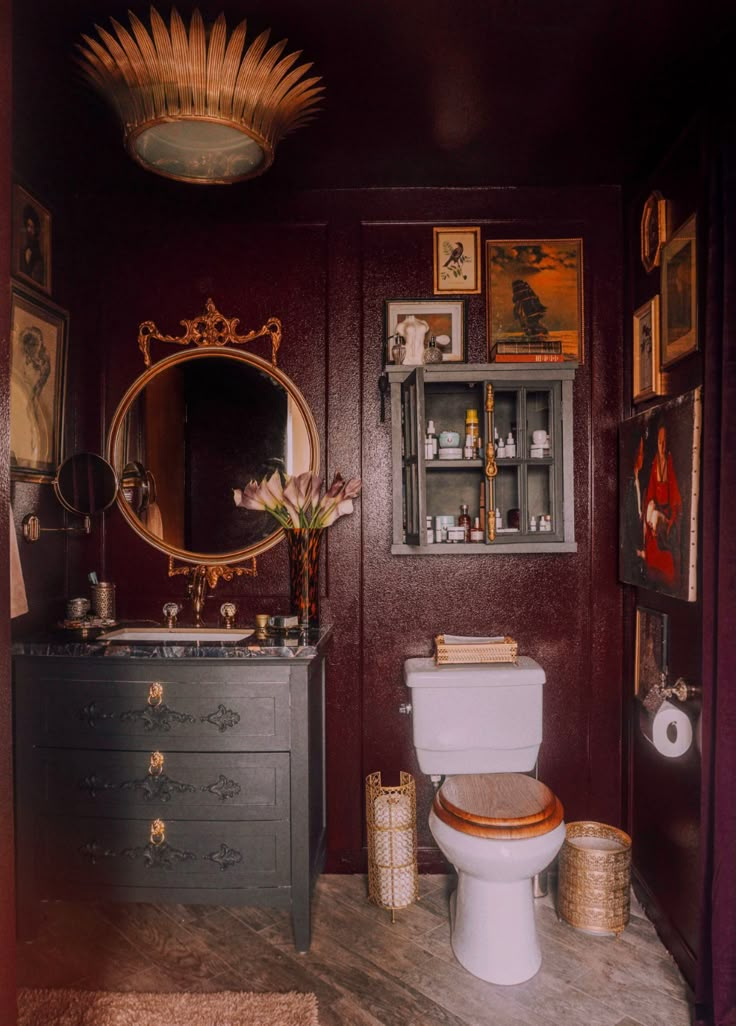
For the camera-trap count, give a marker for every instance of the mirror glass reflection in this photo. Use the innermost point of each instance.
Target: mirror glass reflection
(86, 484)
(199, 425)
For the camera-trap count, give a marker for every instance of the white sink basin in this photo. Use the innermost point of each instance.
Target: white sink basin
(175, 635)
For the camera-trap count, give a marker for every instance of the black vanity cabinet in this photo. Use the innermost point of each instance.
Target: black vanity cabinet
(526, 502)
(173, 779)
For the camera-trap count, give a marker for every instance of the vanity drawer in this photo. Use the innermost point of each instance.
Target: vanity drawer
(238, 785)
(185, 711)
(78, 853)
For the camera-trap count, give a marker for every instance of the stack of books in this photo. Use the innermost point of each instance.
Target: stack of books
(541, 350)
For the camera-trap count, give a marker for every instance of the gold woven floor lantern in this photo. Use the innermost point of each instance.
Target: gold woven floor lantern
(198, 106)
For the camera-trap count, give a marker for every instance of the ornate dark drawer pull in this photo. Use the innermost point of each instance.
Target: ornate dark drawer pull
(222, 718)
(223, 788)
(225, 857)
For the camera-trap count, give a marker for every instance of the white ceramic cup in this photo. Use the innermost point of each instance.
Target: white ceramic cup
(539, 437)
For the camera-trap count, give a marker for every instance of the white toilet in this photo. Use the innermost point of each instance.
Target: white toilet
(480, 727)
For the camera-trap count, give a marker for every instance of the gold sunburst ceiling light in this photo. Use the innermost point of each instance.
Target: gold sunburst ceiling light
(198, 106)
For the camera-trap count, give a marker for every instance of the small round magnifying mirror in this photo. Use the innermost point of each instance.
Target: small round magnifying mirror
(86, 484)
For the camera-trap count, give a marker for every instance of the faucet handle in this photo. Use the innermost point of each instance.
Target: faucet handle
(171, 610)
(227, 612)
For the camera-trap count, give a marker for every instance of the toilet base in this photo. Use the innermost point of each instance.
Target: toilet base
(493, 932)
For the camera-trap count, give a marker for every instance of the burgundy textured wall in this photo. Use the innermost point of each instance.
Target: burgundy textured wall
(324, 263)
(664, 794)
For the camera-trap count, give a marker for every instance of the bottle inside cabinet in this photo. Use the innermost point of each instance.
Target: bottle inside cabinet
(513, 470)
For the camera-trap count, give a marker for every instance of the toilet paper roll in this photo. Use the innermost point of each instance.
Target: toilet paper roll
(670, 730)
(392, 810)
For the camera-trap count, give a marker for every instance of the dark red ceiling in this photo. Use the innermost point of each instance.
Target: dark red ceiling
(418, 92)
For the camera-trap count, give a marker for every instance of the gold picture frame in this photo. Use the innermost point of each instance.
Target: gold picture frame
(650, 660)
(456, 261)
(548, 316)
(38, 344)
(654, 229)
(680, 294)
(31, 245)
(646, 351)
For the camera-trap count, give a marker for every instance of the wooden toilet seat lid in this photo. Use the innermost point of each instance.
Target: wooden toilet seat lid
(500, 805)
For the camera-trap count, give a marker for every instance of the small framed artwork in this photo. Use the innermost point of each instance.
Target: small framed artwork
(652, 637)
(456, 260)
(38, 341)
(31, 256)
(679, 295)
(654, 227)
(647, 375)
(534, 297)
(417, 322)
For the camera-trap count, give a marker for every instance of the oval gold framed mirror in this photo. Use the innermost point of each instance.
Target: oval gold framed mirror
(189, 430)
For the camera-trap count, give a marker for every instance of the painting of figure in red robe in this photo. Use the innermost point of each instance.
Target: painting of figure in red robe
(659, 470)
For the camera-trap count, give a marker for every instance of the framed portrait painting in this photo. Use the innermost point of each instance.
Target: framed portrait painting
(647, 373)
(413, 323)
(651, 651)
(534, 296)
(31, 248)
(456, 260)
(38, 341)
(679, 295)
(659, 473)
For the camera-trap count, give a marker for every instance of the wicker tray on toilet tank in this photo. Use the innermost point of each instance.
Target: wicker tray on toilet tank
(595, 878)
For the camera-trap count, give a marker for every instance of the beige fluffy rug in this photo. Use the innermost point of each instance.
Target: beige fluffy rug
(227, 1008)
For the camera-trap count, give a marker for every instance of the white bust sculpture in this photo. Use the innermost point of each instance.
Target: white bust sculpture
(413, 330)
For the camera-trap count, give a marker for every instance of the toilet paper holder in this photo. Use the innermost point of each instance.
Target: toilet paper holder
(680, 690)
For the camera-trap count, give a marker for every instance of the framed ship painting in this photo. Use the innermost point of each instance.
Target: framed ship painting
(659, 472)
(38, 332)
(534, 297)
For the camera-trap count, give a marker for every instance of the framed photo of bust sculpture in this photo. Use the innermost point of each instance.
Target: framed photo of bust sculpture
(659, 472)
(647, 373)
(680, 295)
(31, 246)
(38, 340)
(413, 327)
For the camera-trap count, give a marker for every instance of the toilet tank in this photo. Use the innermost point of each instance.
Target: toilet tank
(479, 718)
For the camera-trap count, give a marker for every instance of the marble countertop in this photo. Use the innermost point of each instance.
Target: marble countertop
(293, 645)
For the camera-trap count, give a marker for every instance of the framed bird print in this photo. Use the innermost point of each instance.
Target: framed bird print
(456, 261)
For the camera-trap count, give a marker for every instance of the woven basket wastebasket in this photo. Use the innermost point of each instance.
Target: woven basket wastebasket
(595, 878)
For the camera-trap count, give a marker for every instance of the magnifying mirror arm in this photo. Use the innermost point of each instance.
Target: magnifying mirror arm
(31, 527)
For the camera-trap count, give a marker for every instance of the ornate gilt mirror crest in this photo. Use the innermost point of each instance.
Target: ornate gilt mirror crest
(197, 424)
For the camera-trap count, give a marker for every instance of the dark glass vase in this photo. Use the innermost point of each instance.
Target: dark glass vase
(304, 546)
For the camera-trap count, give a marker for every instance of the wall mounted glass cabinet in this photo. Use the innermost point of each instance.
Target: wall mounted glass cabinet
(522, 492)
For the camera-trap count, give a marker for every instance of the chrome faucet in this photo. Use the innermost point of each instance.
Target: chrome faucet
(197, 592)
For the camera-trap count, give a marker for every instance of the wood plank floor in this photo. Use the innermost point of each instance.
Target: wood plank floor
(365, 970)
